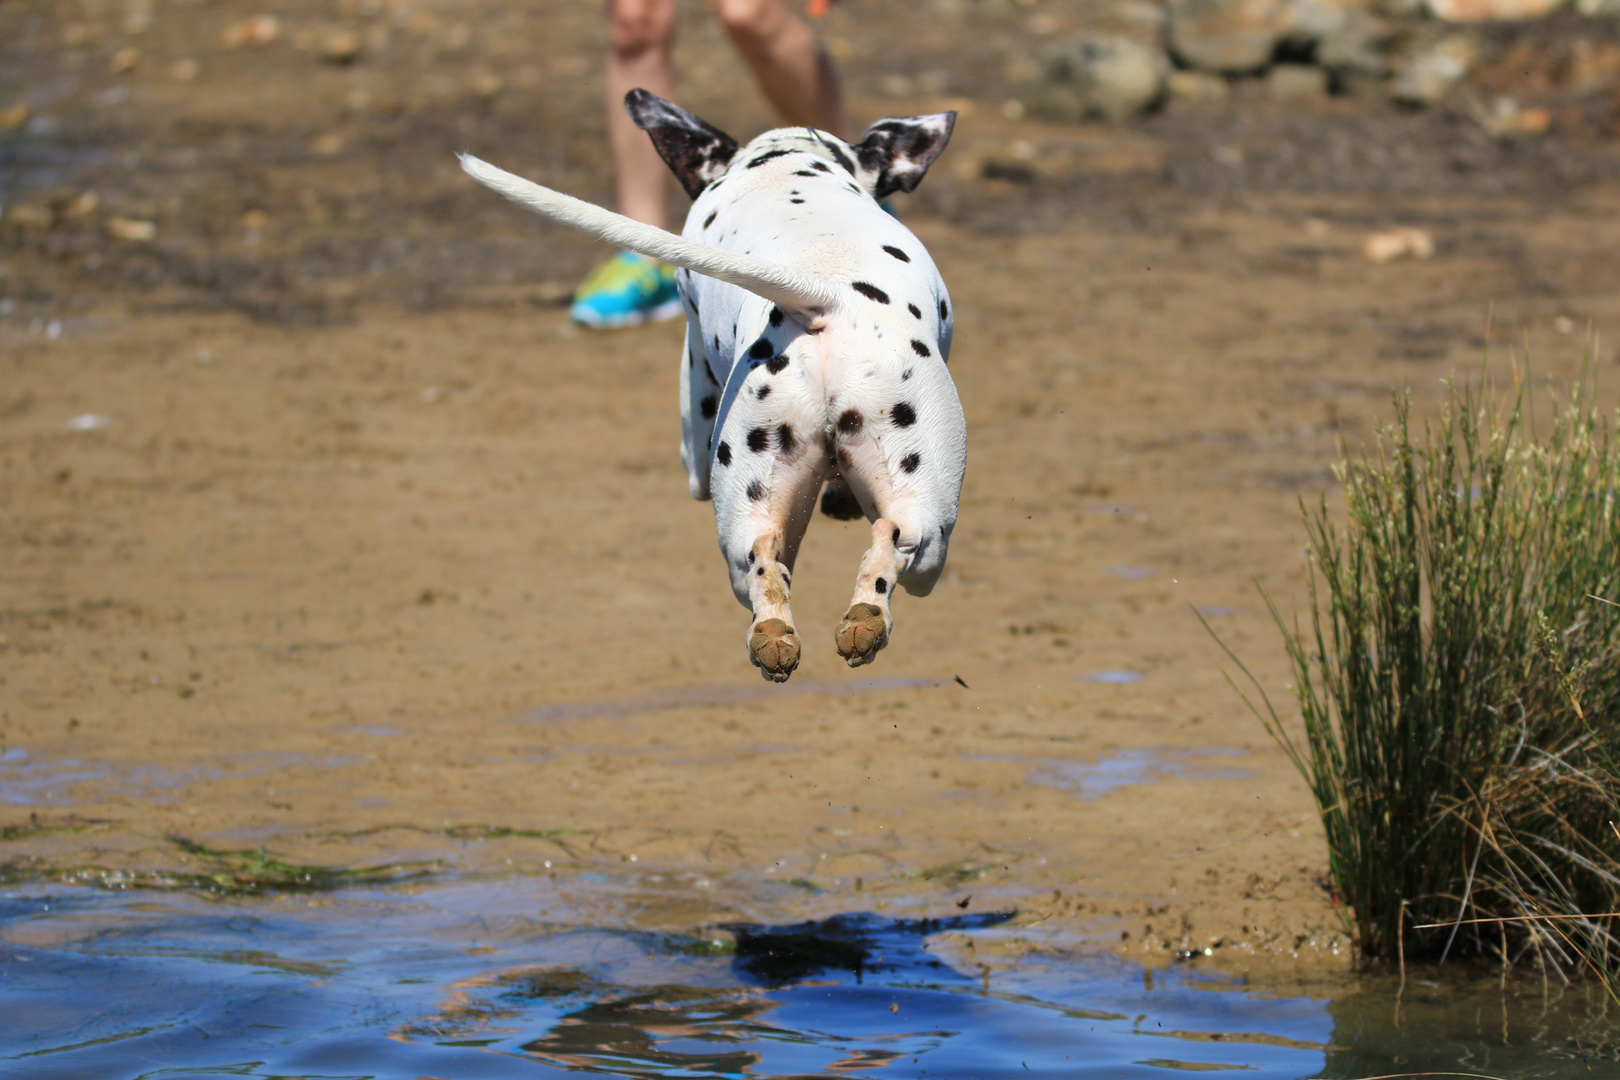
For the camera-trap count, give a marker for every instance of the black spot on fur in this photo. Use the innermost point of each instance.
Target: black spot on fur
(871, 292)
(708, 405)
(717, 341)
(906, 374)
(795, 201)
(758, 440)
(844, 460)
(724, 453)
(850, 422)
(843, 159)
(763, 392)
(785, 440)
(710, 219)
(904, 414)
(756, 491)
(760, 349)
(881, 586)
(820, 166)
(777, 316)
(803, 172)
(916, 312)
(767, 156)
(910, 462)
(944, 312)
(775, 364)
(919, 348)
(897, 253)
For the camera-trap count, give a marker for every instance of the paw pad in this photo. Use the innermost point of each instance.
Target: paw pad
(774, 649)
(862, 633)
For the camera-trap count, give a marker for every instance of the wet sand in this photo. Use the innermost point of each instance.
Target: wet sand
(408, 582)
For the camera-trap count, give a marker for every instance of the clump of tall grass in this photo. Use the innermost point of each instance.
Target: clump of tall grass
(1459, 684)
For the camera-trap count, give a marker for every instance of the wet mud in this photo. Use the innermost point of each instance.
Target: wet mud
(330, 549)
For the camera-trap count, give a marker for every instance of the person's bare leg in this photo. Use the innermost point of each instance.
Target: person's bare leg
(789, 62)
(641, 37)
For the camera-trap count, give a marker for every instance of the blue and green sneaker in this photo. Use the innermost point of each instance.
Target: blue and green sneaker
(626, 290)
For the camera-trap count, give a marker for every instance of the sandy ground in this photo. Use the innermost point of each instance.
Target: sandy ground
(372, 559)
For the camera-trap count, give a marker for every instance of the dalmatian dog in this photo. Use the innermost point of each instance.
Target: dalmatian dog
(817, 332)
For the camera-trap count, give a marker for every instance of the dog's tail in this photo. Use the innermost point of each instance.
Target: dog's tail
(806, 296)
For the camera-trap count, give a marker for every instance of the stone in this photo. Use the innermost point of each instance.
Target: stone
(1296, 82)
(252, 33)
(131, 230)
(1099, 77)
(1355, 46)
(1399, 243)
(340, 47)
(1198, 86)
(1491, 10)
(1231, 37)
(1506, 118)
(1430, 73)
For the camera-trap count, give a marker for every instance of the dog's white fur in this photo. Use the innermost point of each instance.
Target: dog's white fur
(817, 334)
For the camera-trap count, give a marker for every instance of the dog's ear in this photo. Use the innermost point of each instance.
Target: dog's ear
(696, 152)
(897, 151)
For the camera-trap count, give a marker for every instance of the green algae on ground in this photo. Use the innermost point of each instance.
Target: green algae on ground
(222, 872)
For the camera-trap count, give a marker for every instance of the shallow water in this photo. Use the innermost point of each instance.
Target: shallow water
(493, 979)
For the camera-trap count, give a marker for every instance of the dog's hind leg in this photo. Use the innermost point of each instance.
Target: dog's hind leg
(865, 628)
(769, 464)
(773, 641)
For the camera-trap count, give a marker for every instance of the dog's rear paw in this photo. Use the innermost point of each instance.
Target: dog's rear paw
(862, 633)
(774, 649)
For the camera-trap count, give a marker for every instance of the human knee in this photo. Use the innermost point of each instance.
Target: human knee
(637, 26)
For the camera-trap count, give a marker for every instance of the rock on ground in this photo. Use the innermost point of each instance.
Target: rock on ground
(1100, 77)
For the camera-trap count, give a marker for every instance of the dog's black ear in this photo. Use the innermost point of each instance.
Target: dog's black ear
(897, 151)
(697, 152)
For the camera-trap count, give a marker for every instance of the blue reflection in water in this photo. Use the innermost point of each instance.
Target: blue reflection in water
(481, 980)
(470, 982)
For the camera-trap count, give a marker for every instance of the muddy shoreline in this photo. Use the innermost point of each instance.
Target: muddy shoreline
(325, 533)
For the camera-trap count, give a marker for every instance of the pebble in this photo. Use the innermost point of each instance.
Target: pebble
(1198, 86)
(1491, 10)
(1100, 77)
(1430, 73)
(255, 32)
(1232, 37)
(1507, 118)
(1296, 82)
(1353, 52)
(132, 230)
(1399, 243)
(340, 47)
